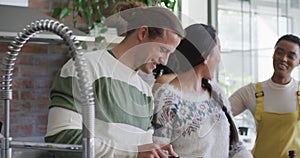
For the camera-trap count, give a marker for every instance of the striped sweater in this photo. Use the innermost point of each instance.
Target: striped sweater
(124, 106)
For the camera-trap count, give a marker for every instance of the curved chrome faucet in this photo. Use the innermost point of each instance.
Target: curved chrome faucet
(87, 95)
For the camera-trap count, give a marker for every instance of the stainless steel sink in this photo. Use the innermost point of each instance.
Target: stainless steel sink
(28, 153)
(22, 153)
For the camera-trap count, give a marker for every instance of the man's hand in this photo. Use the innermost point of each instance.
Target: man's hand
(155, 151)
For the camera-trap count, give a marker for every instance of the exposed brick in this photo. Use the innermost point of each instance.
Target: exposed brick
(24, 106)
(42, 118)
(34, 71)
(4, 47)
(43, 105)
(55, 60)
(27, 118)
(20, 130)
(25, 60)
(58, 48)
(41, 129)
(15, 94)
(2, 117)
(41, 4)
(39, 94)
(22, 83)
(27, 48)
(14, 118)
(43, 82)
(30, 48)
(56, 4)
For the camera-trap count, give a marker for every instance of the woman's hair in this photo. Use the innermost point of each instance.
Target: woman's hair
(233, 136)
(136, 15)
(198, 43)
(193, 50)
(290, 38)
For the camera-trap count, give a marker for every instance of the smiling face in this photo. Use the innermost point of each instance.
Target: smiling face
(156, 51)
(286, 57)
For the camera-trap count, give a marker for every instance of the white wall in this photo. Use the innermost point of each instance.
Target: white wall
(23, 3)
(294, 13)
(194, 11)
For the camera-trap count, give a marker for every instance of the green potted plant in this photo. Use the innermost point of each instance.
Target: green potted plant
(93, 12)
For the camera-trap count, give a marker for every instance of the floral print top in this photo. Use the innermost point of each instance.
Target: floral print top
(194, 124)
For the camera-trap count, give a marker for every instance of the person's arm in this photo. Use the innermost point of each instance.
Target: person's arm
(242, 99)
(239, 151)
(110, 150)
(163, 120)
(108, 147)
(155, 150)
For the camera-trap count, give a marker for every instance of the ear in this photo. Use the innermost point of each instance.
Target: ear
(142, 33)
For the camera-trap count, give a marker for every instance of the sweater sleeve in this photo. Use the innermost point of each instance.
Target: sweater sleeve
(242, 99)
(163, 119)
(108, 149)
(239, 151)
(111, 150)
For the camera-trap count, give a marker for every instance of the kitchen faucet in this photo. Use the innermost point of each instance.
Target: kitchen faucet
(87, 95)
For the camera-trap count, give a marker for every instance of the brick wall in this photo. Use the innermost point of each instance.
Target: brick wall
(35, 68)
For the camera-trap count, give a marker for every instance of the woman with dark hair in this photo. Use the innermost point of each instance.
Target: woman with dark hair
(192, 112)
(274, 103)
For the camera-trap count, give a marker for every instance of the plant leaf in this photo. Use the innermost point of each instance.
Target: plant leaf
(84, 45)
(106, 4)
(74, 21)
(103, 30)
(84, 5)
(172, 5)
(99, 39)
(64, 13)
(79, 13)
(149, 2)
(56, 12)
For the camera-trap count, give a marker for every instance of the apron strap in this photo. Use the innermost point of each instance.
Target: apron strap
(259, 101)
(298, 93)
(298, 98)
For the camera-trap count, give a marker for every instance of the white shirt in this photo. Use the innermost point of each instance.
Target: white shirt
(277, 97)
